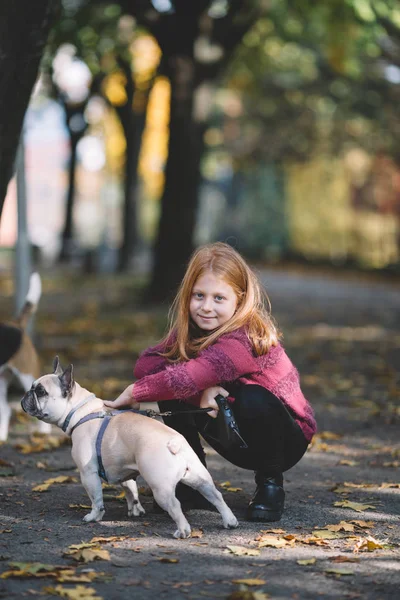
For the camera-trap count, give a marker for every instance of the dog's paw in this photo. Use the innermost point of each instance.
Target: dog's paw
(183, 534)
(231, 523)
(94, 515)
(136, 511)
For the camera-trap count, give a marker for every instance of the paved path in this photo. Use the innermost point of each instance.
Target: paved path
(344, 336)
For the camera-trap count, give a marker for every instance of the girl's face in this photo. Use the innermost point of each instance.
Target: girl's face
(213, 302)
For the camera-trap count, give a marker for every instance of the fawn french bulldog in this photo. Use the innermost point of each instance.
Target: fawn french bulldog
(130, 445)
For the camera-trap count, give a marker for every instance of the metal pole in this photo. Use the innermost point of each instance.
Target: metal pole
(22, 247)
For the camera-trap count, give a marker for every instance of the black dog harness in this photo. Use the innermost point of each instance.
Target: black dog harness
(106, 417)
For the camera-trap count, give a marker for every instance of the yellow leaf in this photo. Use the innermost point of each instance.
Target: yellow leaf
(165, 559)
(279, 531)
(314, 541)
(249, 581)
(329, 435)
(90, 554)
(43, 487)
(363, 524)
(368, 544)
(338, 572)
(78, 593)
(196, 533)
(105, 540)
(326, 534)
(233, 489)
(357, 506)
(242, 551)
(348, 463)
(342, 526)
(307, 561)
(274, 542)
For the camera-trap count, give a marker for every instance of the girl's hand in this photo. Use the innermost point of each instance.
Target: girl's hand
(208, 399)
(124, 399)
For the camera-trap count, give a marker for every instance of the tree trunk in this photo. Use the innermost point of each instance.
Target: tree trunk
(24, 27)
(67, 234)
(180, 198)
(133, 136)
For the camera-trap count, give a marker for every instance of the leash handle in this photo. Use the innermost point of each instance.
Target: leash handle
(169, 413)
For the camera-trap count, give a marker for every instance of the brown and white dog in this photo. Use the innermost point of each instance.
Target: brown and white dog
(19, 362)
(129, 444)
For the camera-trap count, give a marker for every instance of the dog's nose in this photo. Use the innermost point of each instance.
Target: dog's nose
(28, 403)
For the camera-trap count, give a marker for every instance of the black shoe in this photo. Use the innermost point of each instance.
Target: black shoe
(268, 500)
(189, 499)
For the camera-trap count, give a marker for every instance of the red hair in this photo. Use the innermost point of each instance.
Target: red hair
(253, 310)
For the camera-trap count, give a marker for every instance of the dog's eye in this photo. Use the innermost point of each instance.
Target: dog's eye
(40, 391)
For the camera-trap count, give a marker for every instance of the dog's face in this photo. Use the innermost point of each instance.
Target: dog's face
(48, 397)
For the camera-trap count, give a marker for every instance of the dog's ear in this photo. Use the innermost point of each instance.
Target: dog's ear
(57, 368)
(67, 381)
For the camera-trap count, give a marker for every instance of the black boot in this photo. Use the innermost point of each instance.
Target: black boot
(268, 500)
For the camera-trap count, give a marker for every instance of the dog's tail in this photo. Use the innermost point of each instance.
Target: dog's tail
(31, 300)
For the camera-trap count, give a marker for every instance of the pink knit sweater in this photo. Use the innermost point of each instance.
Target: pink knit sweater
(230, 359)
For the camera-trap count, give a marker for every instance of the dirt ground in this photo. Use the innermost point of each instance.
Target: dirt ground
(340, 533)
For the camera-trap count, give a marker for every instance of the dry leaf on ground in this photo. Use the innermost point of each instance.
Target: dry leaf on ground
(357, 506)
(242, 551)
(306, 561)
(249, 582)
(368, 544)
(78, 593)
(43, 487)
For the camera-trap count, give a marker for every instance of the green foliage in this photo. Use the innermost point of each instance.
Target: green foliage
(309, 71)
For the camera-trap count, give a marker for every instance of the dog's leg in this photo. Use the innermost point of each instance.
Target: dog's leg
(92, 484)
(132, 498)
(198, 478)
(5, 410)
(168, 501)
(26, 382)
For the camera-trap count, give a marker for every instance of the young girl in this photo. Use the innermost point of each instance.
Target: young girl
(222, 340)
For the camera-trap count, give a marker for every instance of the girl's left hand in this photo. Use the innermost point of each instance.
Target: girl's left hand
(208, 399)
(124, 399)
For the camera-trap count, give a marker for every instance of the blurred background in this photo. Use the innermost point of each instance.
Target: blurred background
(155, 126)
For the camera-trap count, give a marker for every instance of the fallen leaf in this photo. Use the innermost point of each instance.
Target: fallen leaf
(326, 534)
(196, 533)
(113, 538)
(274, 542)
(342, 559)
(78, 593)
(329, 435)
(87, 555)
(357, 506)
(165, 559)
(342, 526)
(41, 444)
(314, 541)
(242, 551)
(249, 582)
(369, 544)
(363, 524)
(278, 531)
(339, 572)
(348, 463)
(307, 561)
(43, 487)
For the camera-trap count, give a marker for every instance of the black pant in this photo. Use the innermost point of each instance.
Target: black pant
(275, 441)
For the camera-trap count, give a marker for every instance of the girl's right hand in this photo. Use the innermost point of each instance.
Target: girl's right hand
(125, 399)
(208, 399)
